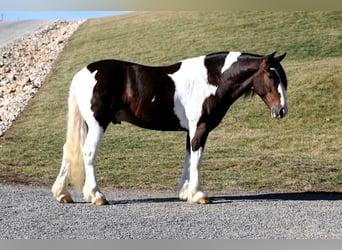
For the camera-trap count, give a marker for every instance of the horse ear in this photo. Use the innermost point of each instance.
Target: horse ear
(279, 58)
(270, 57)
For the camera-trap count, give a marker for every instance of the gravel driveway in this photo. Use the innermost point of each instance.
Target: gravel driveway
(32, 213)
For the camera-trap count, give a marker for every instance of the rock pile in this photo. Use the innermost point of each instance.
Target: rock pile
(25, 63)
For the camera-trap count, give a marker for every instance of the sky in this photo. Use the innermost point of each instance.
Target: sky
(56, 15)
(136, 5)
(69, 4)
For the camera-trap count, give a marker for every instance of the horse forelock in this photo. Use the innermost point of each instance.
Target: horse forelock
(281, 74)
(274, 65)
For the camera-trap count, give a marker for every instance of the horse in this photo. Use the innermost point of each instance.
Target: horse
(192, 95)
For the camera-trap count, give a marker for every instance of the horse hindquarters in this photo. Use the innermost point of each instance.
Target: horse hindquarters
(84, 135)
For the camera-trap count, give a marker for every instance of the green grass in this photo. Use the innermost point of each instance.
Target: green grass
(248, 151)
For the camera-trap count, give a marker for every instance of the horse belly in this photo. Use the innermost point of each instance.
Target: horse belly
(151, 116)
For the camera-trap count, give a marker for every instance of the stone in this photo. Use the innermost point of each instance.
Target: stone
(7, 69)
(24, 65)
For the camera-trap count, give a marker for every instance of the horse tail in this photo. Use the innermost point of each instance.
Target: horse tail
(76, 133)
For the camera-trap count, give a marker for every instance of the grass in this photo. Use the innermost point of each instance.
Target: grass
(248, 151)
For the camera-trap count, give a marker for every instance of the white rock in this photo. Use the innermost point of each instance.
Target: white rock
(25, 64)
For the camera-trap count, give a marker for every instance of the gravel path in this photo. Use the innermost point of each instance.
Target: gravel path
(32, 213)
(13, 30)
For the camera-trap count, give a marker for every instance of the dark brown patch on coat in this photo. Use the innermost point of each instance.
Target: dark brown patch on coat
(135, 93)
(214, 63)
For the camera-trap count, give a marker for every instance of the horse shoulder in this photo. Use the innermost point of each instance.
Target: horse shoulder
(191, 90)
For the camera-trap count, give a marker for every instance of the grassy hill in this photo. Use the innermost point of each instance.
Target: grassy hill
(247, 151)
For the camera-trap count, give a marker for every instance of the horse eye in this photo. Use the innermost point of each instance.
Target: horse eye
(270, 74)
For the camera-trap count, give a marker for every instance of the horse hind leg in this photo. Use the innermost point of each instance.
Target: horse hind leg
(94, 137)
(60, 186)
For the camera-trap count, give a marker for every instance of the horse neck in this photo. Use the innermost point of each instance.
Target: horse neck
(239, 80)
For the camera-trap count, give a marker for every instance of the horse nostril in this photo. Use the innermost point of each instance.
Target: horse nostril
(282, 112)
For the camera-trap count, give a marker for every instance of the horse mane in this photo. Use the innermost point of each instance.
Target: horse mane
(249, 56)
(245, 55)
(249, 93)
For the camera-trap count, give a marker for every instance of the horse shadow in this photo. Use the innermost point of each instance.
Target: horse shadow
(217, 199)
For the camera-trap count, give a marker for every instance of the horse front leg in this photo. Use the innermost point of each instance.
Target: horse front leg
(195, 195)
(190, 188)
(184, 180)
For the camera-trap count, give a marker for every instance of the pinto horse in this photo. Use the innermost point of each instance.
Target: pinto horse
(192, 95)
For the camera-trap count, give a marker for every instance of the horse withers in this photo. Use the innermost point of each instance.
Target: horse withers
(192, 95)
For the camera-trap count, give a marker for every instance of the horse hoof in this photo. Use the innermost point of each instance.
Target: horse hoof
(101, 202)
(204, 200)
(66, 199)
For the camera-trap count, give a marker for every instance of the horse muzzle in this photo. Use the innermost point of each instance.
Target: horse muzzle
(278, 112)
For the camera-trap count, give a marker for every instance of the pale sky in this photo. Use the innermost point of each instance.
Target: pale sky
(55, 15)
(25, 5)
(130, 5)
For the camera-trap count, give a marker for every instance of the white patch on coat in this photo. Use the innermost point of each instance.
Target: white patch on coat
(84, 82)
(231, 58)
(192, 88)
(281, 90)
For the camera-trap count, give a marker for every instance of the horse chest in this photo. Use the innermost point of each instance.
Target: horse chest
(191, 90)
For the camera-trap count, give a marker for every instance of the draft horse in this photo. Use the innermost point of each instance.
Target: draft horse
(192, 95)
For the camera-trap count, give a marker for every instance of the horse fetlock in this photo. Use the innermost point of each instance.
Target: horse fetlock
(183, 192)
(204, 200)
(61, 194)
(99, 199)
(199, 198)
(65, 199)
(95, 197)
(101, 202)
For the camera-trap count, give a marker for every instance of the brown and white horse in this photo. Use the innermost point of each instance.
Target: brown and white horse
(192, 95)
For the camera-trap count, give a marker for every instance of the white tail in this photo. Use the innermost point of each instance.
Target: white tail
(76, 133)
(72, 164)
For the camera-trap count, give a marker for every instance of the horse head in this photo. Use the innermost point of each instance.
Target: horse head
(270, 84)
